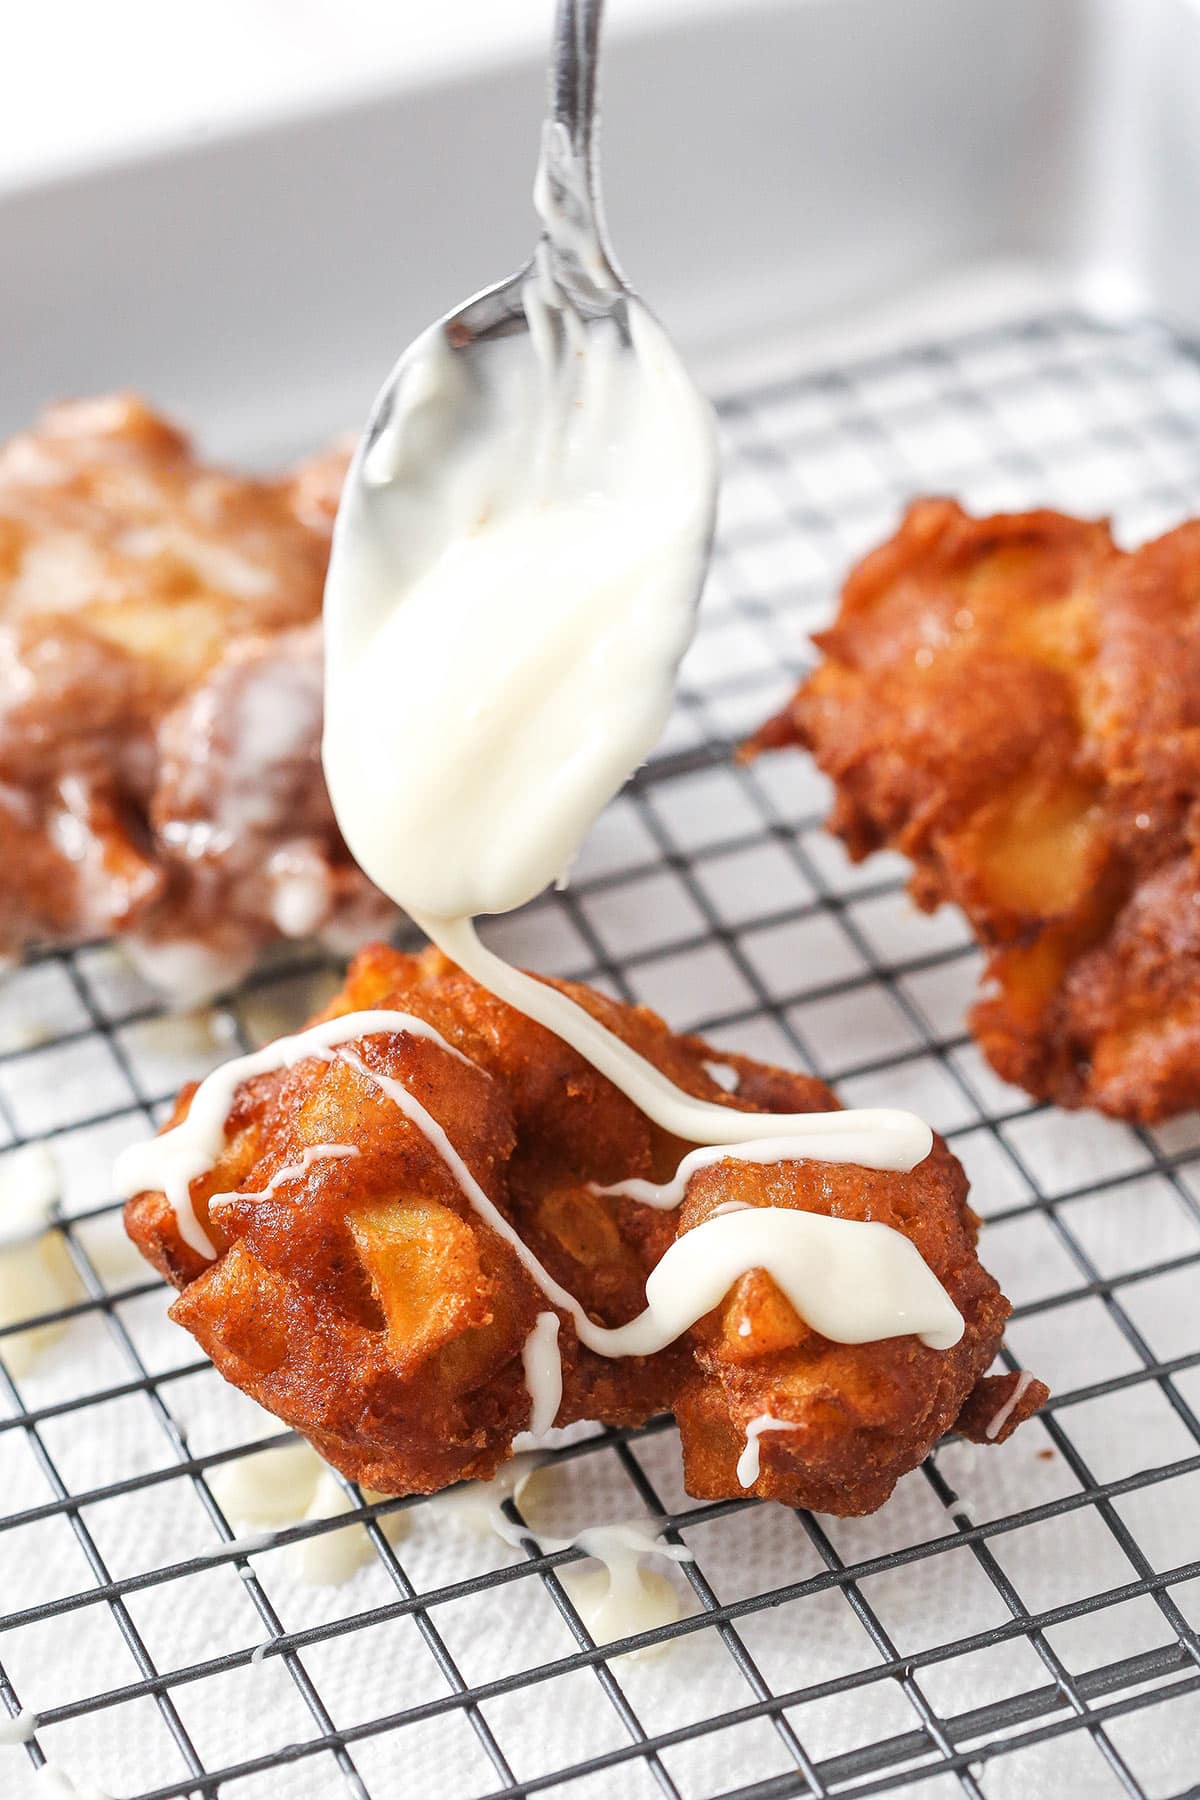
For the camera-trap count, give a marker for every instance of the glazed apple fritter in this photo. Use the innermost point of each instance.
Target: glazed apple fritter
(366, 1303)
(1014, 703)
(160, 698)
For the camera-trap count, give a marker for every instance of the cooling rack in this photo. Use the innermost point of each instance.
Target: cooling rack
(1015, 1622)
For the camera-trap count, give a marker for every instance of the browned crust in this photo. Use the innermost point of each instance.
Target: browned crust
(998, 1404)
(150, 603)
(411, 1385)
(1015, 705)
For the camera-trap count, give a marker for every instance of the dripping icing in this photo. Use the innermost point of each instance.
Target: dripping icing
(622, 1598)
(289, 1172)
(1003, 1414)
(877, 1137)
(852, 1280)
(289, 1484)
(176, 1158)
(37, 1275)
(245, 1545)
(19, 1728)
(541, 1359)
(624, 1602)
(748, 1461)
(666, 1196)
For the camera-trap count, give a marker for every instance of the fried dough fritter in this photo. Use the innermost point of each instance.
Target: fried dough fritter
(366, 1303)
(1014, 703)
(864, 1413)
(160, 697)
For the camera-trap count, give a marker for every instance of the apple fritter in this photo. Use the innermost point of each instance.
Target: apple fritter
(860, 1415)
(359, 1295)
(160, 698)
(1015, 704)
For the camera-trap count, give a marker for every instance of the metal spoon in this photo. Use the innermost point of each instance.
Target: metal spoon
(573, 253)
(572, 261)
(527, 400)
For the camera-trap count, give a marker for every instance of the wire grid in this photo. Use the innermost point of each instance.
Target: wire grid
(1020, 1621)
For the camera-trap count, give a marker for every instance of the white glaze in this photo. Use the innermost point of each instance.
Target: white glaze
(35, 1278)
(852, 1280)
(622, 1602)
(332, 1557)
(478, 1506)
(186, 973)
(623, 1598)
(36, 1272)
(267, 1487)
(21, 1030)
(300, 891)
(548, 505)
(1001, 1416)
(295, 1171)
(19, 1729)
(246, 1545)
(531, 556)
(541, 1359)
(666, 1196)
(877, 1138)
(176, 1158)
(559, 1437)
(520, 547)
(611, 1544)
(287, 1485)
(618, 1547)
(30, 1188)
(748, 1461)
(620, 1598)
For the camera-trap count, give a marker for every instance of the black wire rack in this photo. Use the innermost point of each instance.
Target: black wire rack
(1015, 1622)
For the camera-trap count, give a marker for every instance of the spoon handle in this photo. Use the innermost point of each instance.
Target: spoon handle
(576, 54)
(567, 191)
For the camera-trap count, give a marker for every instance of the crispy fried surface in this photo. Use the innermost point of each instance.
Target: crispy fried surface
(160, 697)
(864, 1413)
(369, 1306)
(1015, 704)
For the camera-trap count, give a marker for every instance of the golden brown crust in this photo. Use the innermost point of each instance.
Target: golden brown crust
(367, 1304)
(865, 1413)
(1015, 705)
(997, 1405)
(151, 608)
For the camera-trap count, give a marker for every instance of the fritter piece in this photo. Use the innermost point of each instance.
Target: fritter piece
(358, 1295)
(160, 699)
(396, 1317)
(1015, 704)
(860, 1415)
